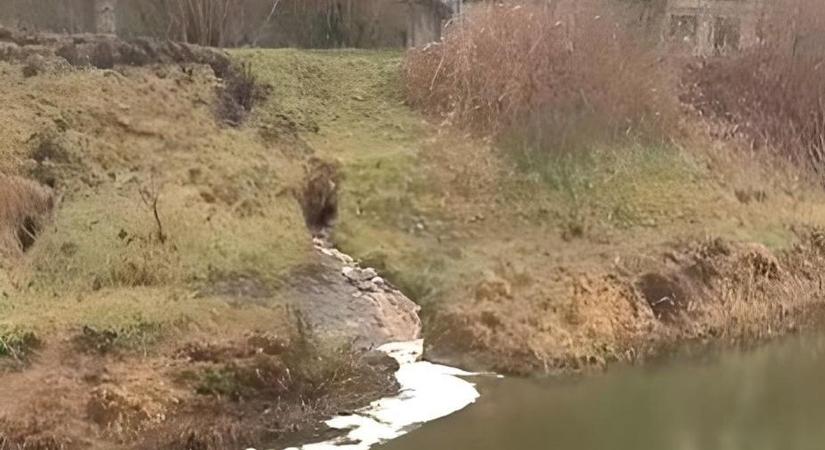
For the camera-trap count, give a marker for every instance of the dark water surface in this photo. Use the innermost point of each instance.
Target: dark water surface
(770, 398)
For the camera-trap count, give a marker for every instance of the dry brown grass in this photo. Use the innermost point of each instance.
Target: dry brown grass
(568, 72)
(25, 209)
(773, 94)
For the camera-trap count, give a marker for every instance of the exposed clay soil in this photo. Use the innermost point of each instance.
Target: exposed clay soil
(712, 292)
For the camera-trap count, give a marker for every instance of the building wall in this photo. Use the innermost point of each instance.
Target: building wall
(712, 26)
(427, 18)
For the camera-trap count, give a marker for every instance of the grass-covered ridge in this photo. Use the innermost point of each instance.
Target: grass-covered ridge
(525, 261)
(223, 198)
(473, 228)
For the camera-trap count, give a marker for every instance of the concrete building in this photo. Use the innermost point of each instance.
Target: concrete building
(708, 27)
(344, 23)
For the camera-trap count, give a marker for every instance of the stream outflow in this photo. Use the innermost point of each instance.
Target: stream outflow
(351, 303)
(428, 392)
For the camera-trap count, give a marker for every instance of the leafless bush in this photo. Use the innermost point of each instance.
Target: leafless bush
(203, 22)
(773, 94)
(319, 197)
(564, 72)
(239, 94)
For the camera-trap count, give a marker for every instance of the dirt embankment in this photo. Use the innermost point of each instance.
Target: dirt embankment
(715, 292)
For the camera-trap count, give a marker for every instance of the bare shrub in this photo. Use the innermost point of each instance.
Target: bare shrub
(202, 22)
(772, 94)
(25, 209)
(561, 75)
(319, 197)
(239, 94)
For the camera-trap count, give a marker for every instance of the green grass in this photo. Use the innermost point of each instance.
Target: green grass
(224, 200)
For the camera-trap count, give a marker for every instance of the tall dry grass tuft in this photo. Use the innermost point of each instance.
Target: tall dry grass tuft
(773, 93)
(25, 208)
(560, 74)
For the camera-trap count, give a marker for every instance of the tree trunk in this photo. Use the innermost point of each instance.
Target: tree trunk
(105, 22)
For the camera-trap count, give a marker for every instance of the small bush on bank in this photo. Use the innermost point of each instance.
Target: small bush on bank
(319, 197)
(557, 77)
(239, 94)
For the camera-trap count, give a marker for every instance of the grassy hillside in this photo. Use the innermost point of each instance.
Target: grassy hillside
(447, 216)
(536, 265)
(114, 141)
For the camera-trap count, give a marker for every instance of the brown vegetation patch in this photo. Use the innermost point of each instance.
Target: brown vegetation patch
(240, 92)
(53, 160)
(770, 94)
(33, 435)
(261, 392)
(257, 391)
(558, 76)
(26, 208)
(319, 196)
(713, 291)
(770, 99)
(120, 412)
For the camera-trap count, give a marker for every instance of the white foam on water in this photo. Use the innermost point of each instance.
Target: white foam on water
(428, 392)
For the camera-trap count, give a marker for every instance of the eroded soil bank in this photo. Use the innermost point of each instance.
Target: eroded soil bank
(709, 293)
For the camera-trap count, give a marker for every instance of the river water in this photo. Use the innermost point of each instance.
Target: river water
(771, 398)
